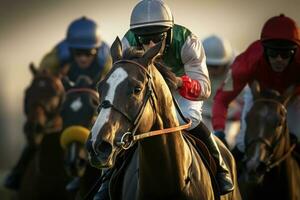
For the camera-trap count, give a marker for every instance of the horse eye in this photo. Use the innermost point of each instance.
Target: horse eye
(137, 90)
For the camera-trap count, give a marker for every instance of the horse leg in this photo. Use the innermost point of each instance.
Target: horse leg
(223, 175)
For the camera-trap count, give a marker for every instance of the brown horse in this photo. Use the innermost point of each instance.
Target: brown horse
(79, 113)
(136, 100)
(269, 170)
(44, 177)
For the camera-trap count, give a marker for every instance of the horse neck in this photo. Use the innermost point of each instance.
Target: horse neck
(165, 158)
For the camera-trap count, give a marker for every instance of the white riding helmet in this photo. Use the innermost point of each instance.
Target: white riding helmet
(218, 51)
(151, 16)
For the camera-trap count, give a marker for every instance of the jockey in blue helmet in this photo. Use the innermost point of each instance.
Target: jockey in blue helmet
(81, 53)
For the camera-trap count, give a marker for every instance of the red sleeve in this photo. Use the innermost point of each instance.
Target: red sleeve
(238, 76)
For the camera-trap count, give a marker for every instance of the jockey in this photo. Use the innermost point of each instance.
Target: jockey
(273, 61)
(152, 22)
(219, 56)
(81, 53)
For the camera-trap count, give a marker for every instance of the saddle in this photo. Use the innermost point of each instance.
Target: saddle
(207, 159)
(203, 152)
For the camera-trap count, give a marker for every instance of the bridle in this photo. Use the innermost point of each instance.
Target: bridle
(83, 90)
(130, 137)
(270, 162)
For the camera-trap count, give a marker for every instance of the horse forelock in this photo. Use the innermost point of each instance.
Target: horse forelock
(137, 53)
(133, 53)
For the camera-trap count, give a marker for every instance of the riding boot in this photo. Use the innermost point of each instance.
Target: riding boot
(13, 180)
(103, 192)
(223, 176)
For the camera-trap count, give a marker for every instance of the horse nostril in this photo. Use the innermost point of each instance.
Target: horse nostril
(104, 149)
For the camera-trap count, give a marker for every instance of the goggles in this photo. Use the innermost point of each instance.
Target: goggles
(156, 38)
(283, 53)
(84, 52)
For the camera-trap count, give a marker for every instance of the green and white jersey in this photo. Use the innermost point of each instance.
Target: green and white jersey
(184, 56)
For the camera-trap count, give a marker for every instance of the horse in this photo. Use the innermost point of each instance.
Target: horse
(44, 177)
(269, 171)
(79, 112)
(137, 108)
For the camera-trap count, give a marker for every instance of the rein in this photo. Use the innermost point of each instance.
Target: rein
(130, 137)
(285, 156)
(87, 90)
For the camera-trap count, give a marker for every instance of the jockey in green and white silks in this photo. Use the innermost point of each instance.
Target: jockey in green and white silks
(185, 56)
(152, 22)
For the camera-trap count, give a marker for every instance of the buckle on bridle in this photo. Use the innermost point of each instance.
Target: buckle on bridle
(126, 141)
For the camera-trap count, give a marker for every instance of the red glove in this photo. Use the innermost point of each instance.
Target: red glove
(190, 89)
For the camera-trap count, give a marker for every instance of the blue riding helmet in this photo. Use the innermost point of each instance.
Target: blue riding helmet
(83, 33)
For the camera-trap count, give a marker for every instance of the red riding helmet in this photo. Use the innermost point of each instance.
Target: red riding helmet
(280, 28)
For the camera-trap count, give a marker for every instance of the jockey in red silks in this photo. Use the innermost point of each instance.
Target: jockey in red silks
(274, 61)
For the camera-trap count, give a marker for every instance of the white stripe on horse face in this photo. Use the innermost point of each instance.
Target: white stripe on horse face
(115, 79)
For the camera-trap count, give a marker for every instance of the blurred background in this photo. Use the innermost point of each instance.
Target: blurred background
(31, 28)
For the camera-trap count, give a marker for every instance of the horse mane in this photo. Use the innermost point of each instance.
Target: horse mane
(167, 74)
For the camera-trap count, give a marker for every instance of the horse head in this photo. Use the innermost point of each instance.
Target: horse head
(43, 99)
(266, 136)
(127, 103)
(78, 113)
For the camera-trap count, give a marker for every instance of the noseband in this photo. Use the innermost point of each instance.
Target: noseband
(128, 138)
(271, 146)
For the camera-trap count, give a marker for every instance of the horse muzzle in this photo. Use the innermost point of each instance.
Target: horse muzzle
(101, 156)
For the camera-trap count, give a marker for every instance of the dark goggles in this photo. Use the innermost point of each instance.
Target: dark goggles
(283, 53)
(156, 38)
(84, 52)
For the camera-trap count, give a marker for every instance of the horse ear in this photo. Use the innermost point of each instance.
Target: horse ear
(151, 53)
(116, 50)
(288, 94)
(255, 89)
(33, 69)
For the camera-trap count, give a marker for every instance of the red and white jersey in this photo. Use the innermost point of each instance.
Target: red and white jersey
(249, 66)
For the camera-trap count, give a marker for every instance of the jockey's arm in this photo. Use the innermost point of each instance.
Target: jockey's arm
(50, 62)
(55, 61)
(195, 82)
(236, 79)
